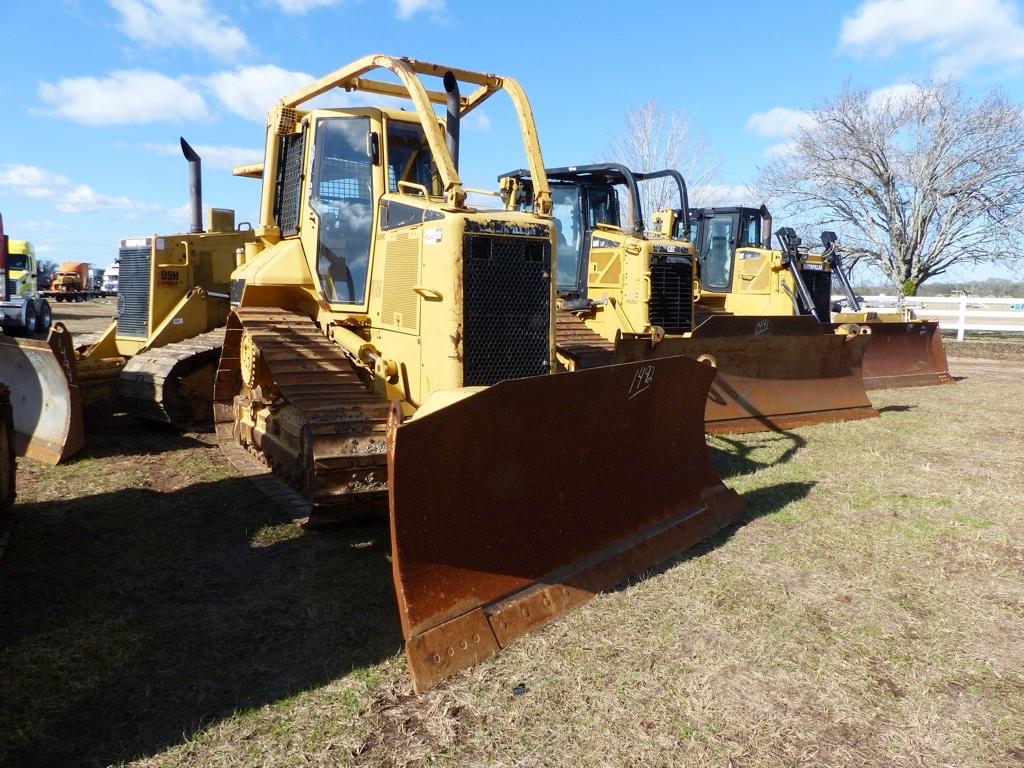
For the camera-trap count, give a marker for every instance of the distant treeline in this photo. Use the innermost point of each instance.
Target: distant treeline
(996, 287)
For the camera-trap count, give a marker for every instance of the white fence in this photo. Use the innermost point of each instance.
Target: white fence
(956, 312)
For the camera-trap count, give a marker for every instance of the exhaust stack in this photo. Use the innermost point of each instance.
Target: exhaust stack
(452, 119)
(195, 186)
(766, 227)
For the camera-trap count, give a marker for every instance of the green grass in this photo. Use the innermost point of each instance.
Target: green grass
(154, 610)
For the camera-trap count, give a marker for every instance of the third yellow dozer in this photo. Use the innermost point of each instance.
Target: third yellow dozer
(157, 359)
(389, 342)
(741, 273)
(629, 294)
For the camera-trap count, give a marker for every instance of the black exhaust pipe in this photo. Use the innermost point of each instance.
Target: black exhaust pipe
(195, 186)
(766, 227)
(451, 124)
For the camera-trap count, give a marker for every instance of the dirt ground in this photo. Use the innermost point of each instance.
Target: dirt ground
(85, 317)
(155, 610)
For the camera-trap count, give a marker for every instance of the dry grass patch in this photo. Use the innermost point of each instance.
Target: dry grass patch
(868, 612)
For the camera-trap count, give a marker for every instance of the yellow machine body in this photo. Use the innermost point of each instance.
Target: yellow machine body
(389, 342)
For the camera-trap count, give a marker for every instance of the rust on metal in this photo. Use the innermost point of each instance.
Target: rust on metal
(909, 354)
(47, 404)
(773, 373)
(513, 505)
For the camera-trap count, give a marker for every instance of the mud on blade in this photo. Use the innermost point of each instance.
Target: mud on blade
(519, 502)
(907, 354)
(773, 373)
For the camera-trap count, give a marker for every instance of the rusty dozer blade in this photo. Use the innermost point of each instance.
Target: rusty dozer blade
(44, 394)
(512, 506)
(905, 354)
(773, 373)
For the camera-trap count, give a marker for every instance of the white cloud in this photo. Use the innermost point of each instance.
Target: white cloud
(478, 121)
(782, 149)
(223, 156)
(406, 9)
(250, 91)
(964, 34)
(180, 23)
(64, 195)
(297, 7)
(893, 95)
(779, 122)
(129, 96)
(705, 195)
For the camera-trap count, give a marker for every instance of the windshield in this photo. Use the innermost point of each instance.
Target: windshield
(341, 195)
(569, 238)
(409, 158)
(716, 255)
(17, 261)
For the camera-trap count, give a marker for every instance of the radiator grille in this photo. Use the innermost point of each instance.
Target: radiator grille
(12, 288)
(671, 294)
(133, 292)
(506, 309)
(819, 283)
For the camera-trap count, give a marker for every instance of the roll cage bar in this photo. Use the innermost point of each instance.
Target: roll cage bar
(282, 117)
(610, 174)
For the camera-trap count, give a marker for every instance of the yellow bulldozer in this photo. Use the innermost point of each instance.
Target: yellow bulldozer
(743, 275)
(390, 343)
(158, 357)
(627, 294)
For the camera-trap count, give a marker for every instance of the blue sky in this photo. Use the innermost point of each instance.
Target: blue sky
(97, 93)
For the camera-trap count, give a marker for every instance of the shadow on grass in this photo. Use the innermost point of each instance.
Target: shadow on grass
(119, 434)
(738, 458)
(895, 408)
(758, 502)
(130, 620)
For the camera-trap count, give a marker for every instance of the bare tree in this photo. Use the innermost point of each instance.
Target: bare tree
(651, 139)
(917, 179)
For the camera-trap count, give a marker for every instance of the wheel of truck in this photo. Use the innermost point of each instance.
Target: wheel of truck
(79, 297)
(45, 317)
(31, 321)
(58, 297)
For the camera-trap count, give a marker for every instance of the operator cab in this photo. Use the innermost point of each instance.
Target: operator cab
(717, 233)
(347, 182)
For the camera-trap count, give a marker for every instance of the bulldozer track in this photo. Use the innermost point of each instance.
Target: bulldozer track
(586, 348)
(342, 457)
(152, 383)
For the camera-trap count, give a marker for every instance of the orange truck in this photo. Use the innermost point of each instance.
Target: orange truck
(70, 282)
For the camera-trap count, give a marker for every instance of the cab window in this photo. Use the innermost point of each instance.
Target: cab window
(750, 230)
(565, 207)
(716, 259)
(602, 207)
(342, 197)
(409, 157)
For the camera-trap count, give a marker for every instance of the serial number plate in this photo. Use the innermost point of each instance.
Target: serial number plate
(815, 267)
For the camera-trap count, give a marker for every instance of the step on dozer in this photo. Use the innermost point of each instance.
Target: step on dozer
(392, 348)
(44, 395)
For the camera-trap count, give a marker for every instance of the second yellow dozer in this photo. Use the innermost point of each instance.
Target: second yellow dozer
(158, 357)
(628, 294)
(734, 243)
(390, 343)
